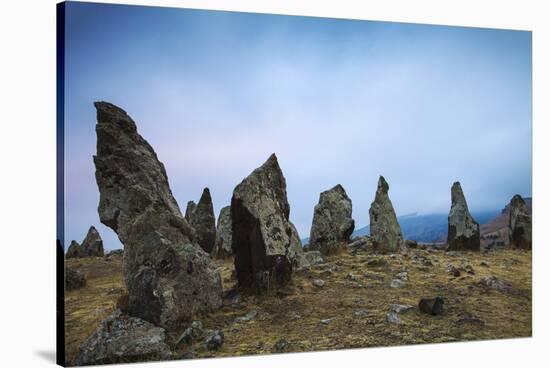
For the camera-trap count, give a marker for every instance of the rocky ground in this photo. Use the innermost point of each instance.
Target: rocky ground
(352, 300)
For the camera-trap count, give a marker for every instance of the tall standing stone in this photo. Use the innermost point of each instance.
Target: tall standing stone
(332, 222)
(262, 233)
(75, 250)
(223, 234)
(191, 205)
(203, 221)
(92, 245)
(463, 232)
(168, 276)
(520, 223)
(385, 231)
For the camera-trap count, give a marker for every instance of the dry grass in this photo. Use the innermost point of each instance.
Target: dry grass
(296, 315)
(85, 308)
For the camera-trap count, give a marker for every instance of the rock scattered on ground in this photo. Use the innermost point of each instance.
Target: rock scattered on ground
(432, 306)
(214, 340)
(493, 282)
(393, 318)
(281, 345)
(247, 317)
(318, 283)
(397, 283)
(74, 279)
(124, 339)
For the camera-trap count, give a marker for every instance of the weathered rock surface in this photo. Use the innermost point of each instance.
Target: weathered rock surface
(168, 276)
(520, 223)
(314, 257)
(74, 279)
(385, 231)
(296, 253)
(262, 233)
(191, 205)
(433, 306)
(75, 250)
(463, 233)
(332, 222)
(124, 339)
(223, 234)
(92, 245)
(203, 221)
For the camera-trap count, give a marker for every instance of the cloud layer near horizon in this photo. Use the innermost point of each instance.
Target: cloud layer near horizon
(215, 93)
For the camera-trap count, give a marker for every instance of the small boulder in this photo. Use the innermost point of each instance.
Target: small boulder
(124, 339)
(397, 283)
(393, 318)
(432, 306)
(281, 345)
(318, 283)
(74, 279)
(314, 257)
(493, 282)
(214, 340)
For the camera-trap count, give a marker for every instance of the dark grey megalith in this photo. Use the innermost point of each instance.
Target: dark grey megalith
(520, 223)
(223, 234)
(263, 239)
(75, 250)
(92, 245)
(463, 232)
(168, 276)
(203, 221)
(332, 223)
(385, 232)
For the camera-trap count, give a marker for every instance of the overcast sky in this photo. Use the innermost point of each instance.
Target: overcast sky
(338, 101)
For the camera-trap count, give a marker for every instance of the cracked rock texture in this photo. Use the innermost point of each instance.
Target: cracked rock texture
(168, 276)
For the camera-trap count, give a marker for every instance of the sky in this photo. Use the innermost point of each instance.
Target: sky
(338, 101)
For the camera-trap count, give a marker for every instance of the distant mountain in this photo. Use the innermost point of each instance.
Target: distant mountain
(430, 228)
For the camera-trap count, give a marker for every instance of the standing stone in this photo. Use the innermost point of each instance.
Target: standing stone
(92, 245)
(385, 231)
(463, 233)
(223, 234)
(262, 233)
(191, 205)
(520, 223)
(75, 250)
(332, 223)
(296, 253)
(168, 276)
(203, 221)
